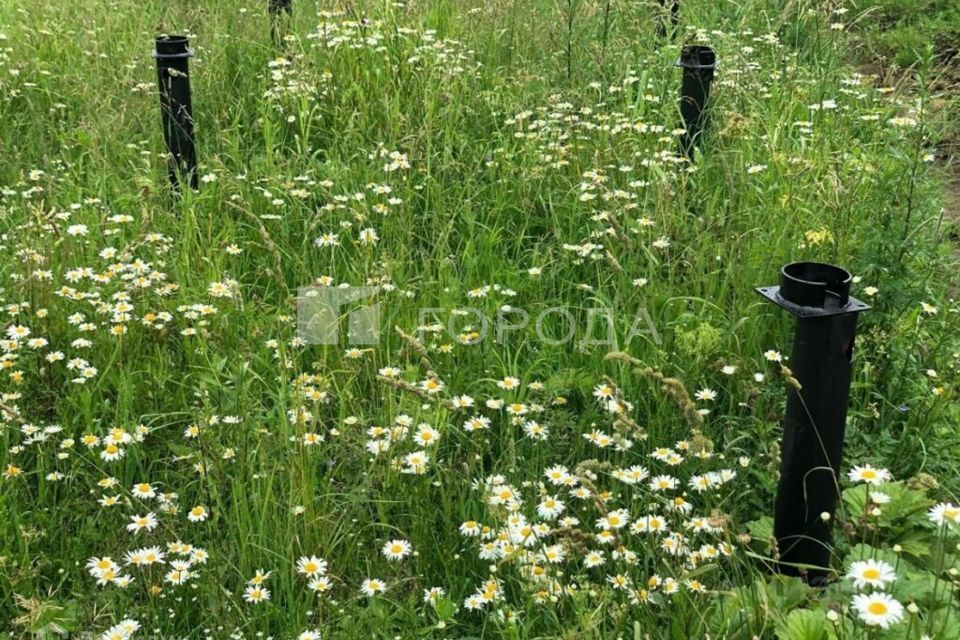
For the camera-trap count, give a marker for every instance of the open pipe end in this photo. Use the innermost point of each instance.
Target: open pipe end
(172, 46)
(815, 284)
(697, 56)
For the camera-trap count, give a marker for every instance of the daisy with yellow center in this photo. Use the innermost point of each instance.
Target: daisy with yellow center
(197, 514)
(517, 408)
(614, 520)
(425, 435)
(470, 528)
(431, 385)
(98, 566)
(869, 475)
(311, 566)
(396, 549)
(139, 523)
(878, 609)
(372, 586)
(696, 586)
(260, 577)
(618, 581)
(109, 501)
(111, 453)
(509, 383)
(872, 573)
(945, 513)
(603, 392)
(143, 490)
(256, 595)
(320, 585)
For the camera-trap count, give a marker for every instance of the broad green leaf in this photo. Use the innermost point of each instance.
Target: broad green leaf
(787, 592)
(803, 624)
(444, 608)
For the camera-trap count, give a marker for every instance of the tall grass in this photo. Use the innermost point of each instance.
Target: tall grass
(508, 156)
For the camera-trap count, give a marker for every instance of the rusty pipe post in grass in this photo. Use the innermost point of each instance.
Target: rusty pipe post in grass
(818, 295)
(176, 110)
(280, 12)
(699, 63)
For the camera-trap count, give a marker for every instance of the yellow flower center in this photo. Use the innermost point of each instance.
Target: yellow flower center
(869, 474)
(871, 574)
(877, 608)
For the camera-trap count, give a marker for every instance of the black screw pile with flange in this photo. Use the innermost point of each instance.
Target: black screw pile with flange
(818, 295)
(172, 54)
(674, 19)
(280, 12)
(698, 63)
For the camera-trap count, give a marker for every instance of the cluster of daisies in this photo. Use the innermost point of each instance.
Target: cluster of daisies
(118, 291)
(178, 562)
(382, 439)
(341, 33)
(123, 630)
(314, 570)
(580, 528)
(109, 447)
(875, 606)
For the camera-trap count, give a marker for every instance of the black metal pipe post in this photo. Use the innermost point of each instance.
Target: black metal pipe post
(818, 295)
(698, 63)
(172, 54)
(280, 11)
(674, 19)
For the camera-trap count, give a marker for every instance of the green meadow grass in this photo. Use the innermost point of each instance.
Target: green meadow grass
(469, 161)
